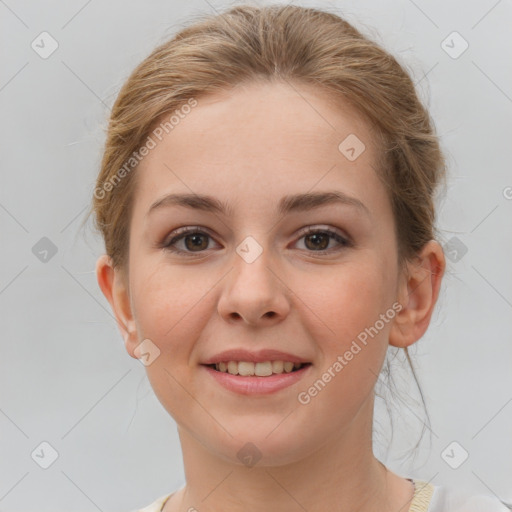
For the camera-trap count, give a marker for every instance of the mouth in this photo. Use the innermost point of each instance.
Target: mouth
(256, 378)
(259, 369)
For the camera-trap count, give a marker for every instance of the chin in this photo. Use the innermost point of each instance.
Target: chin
(254, 447)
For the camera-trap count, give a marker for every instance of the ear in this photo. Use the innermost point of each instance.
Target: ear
(417, 293)
(114, 285)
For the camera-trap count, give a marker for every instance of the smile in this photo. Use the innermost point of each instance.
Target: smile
(248, 378)
(260, 369)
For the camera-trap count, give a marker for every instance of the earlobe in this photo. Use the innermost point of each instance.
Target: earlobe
(418, 293)
(113, 284)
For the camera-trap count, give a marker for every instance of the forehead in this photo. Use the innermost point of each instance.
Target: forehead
(261, 141)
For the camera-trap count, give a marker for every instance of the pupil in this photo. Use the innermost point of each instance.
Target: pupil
(315, 236)
(196, 238)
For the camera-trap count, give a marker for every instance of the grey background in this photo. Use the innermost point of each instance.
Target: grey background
(65, 377)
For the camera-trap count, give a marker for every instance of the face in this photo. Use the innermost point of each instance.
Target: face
(252, 278)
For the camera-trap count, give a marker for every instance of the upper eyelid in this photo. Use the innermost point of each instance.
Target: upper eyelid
(185, 230)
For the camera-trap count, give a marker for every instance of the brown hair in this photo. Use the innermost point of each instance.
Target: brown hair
(276, 42)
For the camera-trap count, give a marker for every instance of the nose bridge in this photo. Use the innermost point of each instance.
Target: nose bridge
(253, 291)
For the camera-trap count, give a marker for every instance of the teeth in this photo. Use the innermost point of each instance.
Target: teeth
(233, 368)
(277, 366)
(245, 369)
(262, 369)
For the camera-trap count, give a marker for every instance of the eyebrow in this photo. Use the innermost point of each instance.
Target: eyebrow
(291, 203)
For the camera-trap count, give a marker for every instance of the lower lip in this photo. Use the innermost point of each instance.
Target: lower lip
(254, 385)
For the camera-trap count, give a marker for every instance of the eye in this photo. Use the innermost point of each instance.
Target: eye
(319, 239)
(193, 238)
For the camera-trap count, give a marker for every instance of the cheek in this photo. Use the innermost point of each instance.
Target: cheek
(172, 308)
(346, 299)
(351, 337)
(168, 305)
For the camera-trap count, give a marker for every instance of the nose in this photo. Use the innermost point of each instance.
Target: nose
(254, 293)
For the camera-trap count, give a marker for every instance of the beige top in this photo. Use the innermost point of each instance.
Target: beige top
(422, 494)
(427, 498)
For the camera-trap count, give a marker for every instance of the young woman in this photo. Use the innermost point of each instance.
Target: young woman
(266, 198)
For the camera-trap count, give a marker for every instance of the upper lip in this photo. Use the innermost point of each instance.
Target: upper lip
(255, 357)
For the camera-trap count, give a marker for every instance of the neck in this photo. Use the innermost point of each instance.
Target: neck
(342, 475)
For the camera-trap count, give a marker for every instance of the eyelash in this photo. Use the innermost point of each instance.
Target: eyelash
(196, 230)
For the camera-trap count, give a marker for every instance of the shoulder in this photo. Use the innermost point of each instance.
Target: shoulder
(156, 506)
(451, 499)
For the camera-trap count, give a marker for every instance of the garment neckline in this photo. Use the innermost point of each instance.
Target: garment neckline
(423, 492)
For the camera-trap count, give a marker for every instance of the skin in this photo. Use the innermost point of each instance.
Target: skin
(250, 147)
